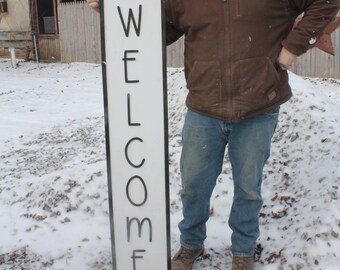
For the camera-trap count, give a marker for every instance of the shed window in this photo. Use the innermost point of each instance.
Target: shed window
(3, 7)
(46, 11)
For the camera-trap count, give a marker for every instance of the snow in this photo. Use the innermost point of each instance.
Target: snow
(53, 191)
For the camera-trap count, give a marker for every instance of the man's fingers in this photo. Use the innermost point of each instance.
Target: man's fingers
(286, 59)
(94, 4)
(284, 67)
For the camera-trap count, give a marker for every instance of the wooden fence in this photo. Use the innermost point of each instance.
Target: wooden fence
(79, 28)
(79, 32)
(175, 54)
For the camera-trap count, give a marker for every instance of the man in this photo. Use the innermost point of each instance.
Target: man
(236, 56)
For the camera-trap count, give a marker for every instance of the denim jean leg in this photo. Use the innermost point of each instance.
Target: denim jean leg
(248, 149)
(201, 162)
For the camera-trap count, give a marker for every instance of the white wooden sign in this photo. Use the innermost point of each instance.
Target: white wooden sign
(135, 100)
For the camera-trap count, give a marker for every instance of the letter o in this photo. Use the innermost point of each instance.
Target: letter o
(128, 192)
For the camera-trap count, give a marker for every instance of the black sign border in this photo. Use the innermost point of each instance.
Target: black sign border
(107, 134)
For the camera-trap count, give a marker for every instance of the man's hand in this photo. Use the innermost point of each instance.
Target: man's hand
(285, 59)
(94, 4)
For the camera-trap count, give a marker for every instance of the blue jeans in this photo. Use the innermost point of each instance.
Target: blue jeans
(204, 142)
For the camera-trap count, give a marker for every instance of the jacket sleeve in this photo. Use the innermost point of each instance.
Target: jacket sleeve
(173, 31)
(318, 14)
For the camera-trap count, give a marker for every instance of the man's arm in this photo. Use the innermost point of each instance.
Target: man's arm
(317, 15)
(173, 32)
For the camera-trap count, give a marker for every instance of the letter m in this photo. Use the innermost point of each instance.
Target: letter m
(131, 17)
(139, 226)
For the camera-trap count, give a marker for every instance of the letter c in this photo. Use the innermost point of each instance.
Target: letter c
(127, 155)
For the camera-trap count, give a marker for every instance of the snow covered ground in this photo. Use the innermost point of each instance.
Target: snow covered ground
(53, 191)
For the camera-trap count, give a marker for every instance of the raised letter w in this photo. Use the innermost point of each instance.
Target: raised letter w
(131, 17)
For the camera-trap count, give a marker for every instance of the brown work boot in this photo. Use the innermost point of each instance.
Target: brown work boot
(243, 263)
(185, 258)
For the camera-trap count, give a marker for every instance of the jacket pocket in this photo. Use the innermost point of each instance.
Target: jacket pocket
(259, 83)
(204, 84)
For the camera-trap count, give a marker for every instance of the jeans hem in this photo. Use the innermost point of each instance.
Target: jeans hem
(191, 248)
(240, 254)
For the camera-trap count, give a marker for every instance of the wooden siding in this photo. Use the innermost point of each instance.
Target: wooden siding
(79, 28)
(49, 48)
(20, 40)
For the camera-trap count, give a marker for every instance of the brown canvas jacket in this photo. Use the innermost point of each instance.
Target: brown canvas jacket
(231, 48)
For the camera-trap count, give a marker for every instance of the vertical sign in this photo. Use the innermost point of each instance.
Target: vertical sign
(134, 75)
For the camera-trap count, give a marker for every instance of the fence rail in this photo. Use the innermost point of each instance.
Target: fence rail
(79, 28)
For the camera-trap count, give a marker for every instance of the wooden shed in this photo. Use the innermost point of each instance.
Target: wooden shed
(15, 27)
(21, 20)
